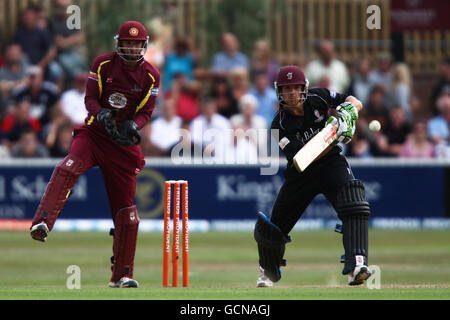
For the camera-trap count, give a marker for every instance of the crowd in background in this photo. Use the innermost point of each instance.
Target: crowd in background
(43, 76)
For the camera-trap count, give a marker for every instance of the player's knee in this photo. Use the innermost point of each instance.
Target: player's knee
(70, 165)
(351, 200)
(127, 217)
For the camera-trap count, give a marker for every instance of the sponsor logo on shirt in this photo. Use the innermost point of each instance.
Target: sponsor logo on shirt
(117, 100)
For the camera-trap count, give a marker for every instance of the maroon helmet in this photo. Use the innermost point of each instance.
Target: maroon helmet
(290, 75)
(131, 30)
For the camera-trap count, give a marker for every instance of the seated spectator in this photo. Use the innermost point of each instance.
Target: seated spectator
(359, 147)
(180, 60)
(382, 75)
(165, 130)
(394, 133)
(250, 130)
(439, 126)
(212, 131)
(70, 44)
(19, 121)
(327, 65)
(185, 94)
(60, 146)
(230, 57)
(266, 96)
(262, 61)
(399, 94)
(12, 74)
(443, 84)
(360, 85)
(222, 93)
(36, 42)
(29, 146)
(43, 95)
(417, 144)
(72, 101)
(238, 78)
(376, 109)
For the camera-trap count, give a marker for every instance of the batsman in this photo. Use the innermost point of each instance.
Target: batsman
(120, 97)
(302, 114)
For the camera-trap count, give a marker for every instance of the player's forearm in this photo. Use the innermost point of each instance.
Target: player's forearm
(358, 105)
(92, 105)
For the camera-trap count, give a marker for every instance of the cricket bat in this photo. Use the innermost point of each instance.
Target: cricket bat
(316, 146)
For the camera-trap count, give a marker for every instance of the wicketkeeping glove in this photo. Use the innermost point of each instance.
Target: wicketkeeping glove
(128, 134)
(107, 118)
(347, 117)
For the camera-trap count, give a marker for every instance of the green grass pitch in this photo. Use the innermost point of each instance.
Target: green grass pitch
(223, 266)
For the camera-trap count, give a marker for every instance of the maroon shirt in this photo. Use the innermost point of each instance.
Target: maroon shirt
(114, 85)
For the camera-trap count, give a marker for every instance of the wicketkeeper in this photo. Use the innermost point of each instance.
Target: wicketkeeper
(120, 97)
(303, 113)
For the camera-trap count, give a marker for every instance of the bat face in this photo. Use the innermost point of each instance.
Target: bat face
(315, 147)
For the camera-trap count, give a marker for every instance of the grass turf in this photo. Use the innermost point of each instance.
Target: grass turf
(223, 266)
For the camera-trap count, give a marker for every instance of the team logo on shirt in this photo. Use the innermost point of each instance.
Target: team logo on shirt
(117, 100)
(318, 116)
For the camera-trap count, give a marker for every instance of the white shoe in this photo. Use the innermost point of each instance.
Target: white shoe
(360, 273)
(124, 282)
(39, 232)
(263, 281)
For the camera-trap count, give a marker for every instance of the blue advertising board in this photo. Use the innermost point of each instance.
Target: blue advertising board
(225, 192)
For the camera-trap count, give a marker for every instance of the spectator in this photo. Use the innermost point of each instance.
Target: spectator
(70, 45)
(394, 134)
(212, 131)
(417, 144)
(180, 60)
(72, 101)
(266, 96)
(18, 121)
(444, 83)
(59, 146)
(399, 93)
(43, 95)
(185, 94)
(239, 82)
(222, 93)
(359, 147)
(230, 57)
(165, 131)
(262, 60)
(250, 130)
(36, 42)
(29, 146)
(327, 65)
(360, 85)
(376, 109)
(382, 75)
(12, 74)
(160, 38)
(439, 126)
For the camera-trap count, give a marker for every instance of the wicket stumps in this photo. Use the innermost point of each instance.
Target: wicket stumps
(183, 197)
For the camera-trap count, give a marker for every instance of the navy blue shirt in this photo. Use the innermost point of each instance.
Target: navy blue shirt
(35, 43)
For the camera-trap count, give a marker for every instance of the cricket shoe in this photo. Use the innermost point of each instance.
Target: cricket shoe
(263, 281)
(39, 232)
(124, 282)
(360, 273)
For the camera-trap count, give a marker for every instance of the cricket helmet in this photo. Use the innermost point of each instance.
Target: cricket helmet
(290, 75)
(131, 30)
